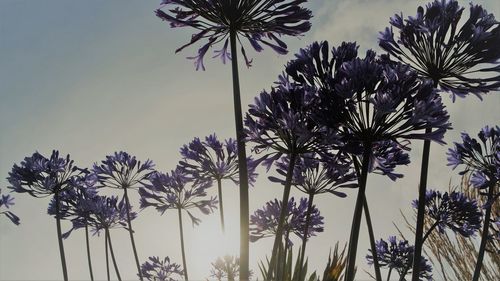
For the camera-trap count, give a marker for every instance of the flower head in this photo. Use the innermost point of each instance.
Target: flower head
(212, 159)
(455, 211)
(6, 201)
(481, 158)
(226, 267)
(460, 56)
(40, 176)
(161, 270)
(264, 222)
(122, 170)
(106, 213)
(398, 255)
(176, 191)
(259, 21)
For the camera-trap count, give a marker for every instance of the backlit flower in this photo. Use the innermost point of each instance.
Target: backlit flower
(6, 201)
(161, 270)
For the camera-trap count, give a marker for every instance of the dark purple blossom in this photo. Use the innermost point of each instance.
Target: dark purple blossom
(455, 211)
(40, 176)
(481, 158)
(6, 201)
(176, 191)
(106, 213)
(398, 255)
(212, 160)
(386, 156)
(122, 170)
(314, 174)
(264, 222)
(460, 56)
(161, 270)
(261, 22)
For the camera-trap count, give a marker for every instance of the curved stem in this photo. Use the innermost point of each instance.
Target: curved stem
(429, 232)
(306, 231)
(181, 231)
(373, 246)
(59, 238)
(484, 236)
(221, 205)
(131, 232)
(283, 213)
(242, 163)
(88, 252)
(421, 208)
(358, 211)
(113, 256)
(107, 255)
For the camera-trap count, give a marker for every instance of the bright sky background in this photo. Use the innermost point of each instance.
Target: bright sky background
(93, 77)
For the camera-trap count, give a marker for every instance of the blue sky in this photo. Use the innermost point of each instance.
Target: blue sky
(93, 77)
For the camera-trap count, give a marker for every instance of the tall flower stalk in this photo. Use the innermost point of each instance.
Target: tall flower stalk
(41, 177)
(460, 57)
(212, 160)
(482, 159)
(228, 21)
(123, 171)
(173, 191)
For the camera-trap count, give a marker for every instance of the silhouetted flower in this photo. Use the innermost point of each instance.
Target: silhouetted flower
(175, 191)
(314, 174)
(5, 202)
(255, 20)
(264, 222)
(161, 270)
(481, 159)
(122, 170)
(107, 212)
(40, 176)
(211, 160)
(225, 268)
(454, 56)
(455, 211)
(398, 255)
(386, 156)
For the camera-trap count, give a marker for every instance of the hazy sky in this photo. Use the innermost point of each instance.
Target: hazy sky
(93, 77)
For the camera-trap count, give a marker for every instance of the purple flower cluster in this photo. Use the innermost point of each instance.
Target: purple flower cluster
(6, 201)
(212, 159)
(264, 222)
(482, 158)
(40, 176)
(259, 21)
(455, 211)
(227, 267)
(176, 191)
(161, 270)
(460, 59)
(398, 255)
(122, 170)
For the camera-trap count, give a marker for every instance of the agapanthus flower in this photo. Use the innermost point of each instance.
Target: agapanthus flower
(40, 176)
(175, 190)
(6, 201)
(315, 174)
(452, 210)
(122, 170)
(386, 156)
(261, 22)
(213, 160)
(225, 268)
(398, 255)
(161, 270)
(481, 158)
(264, 222)
(460, 56)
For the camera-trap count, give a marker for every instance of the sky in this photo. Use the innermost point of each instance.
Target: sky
(93, 77)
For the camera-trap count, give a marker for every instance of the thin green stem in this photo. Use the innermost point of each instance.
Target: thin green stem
(358, 210)
(242, 164)
(373, 246)
(131, 232)
(389, 274)
(306, 231)
(59, 238)
(221, 205)
(183, 251)
(283, 213)
(419, 231)
(429, 232)
(113, 256)
(484, 236)
(89, 260)
(107, 255)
